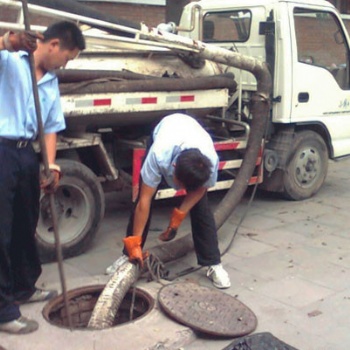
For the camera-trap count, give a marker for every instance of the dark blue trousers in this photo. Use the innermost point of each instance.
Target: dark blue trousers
(19, 211)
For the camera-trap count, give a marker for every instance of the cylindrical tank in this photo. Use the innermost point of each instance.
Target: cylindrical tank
(122, 72)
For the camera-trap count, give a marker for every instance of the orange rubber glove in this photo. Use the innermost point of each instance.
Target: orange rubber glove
(176, 219)
(133, 247)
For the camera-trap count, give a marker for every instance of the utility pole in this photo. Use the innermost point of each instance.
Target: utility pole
(174, 10)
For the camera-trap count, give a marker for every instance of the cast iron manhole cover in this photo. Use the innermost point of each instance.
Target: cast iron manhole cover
(207, 310)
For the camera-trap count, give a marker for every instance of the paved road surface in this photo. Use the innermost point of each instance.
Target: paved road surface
(290, 263)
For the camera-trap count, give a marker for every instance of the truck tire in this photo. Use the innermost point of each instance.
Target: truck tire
(80, 207)
(307, 166)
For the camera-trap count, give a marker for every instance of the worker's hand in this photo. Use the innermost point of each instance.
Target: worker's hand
(25, 41)
(133, 248)
(168, 234)
(176, 219)
(49, 184)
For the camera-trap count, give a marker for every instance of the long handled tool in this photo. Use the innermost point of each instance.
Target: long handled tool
(46, 167)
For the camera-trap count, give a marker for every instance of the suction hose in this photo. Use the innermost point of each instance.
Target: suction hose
(260, 108)
(109, 302)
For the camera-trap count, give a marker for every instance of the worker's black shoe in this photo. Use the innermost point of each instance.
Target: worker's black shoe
(21, 325)
(40, 295)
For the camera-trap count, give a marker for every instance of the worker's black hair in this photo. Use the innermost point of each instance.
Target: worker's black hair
(192, 169)
(68, 33)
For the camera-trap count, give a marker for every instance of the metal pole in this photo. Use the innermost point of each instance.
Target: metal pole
(46, 167)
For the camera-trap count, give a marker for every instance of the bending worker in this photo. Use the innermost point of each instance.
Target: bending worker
(183, 154)
(20, 266)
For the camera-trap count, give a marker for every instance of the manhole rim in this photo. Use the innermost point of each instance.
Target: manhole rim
(76, 292)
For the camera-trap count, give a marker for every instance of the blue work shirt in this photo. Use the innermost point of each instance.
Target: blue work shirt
(171, 136)
(17, 109)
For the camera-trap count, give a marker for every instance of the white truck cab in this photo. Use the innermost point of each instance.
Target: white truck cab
(306, 45)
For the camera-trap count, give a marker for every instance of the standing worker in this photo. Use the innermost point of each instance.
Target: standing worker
(20, 266)
(183, 154)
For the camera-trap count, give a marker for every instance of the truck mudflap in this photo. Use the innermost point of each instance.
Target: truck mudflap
(227, 169)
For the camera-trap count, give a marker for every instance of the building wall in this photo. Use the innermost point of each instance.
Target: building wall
(150, 15)
(153, 15)
(342, 5)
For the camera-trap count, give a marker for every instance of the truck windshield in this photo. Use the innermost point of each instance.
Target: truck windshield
(231, 26)
(321, 42)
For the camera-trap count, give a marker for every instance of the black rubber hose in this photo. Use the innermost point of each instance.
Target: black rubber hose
(110, 84)
(260, 108)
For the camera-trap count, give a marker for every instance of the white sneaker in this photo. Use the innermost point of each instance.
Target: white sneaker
(21, 325)
(114, 267)
(219, 276)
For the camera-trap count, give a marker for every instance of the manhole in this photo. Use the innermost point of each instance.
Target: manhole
(81, 303)
(207, 310)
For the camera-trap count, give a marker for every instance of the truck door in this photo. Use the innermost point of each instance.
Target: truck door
(320, 74)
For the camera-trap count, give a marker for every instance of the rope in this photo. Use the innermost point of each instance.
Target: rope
(132, 306)
(156, 269)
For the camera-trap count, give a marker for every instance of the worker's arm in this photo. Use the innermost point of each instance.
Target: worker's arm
(133, 243)
(179, 214)
(50, 141)
(143, 208)
(192, 198)
(2, 46)
(25, 41)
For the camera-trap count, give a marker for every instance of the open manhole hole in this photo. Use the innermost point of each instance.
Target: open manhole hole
(81, 303)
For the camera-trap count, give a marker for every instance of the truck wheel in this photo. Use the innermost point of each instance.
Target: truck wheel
(79, 204)
(307, 166)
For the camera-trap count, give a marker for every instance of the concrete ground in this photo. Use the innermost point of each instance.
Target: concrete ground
(289, 263)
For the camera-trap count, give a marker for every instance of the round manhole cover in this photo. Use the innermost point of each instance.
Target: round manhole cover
(207, 310)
